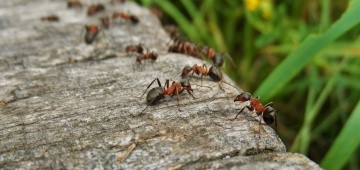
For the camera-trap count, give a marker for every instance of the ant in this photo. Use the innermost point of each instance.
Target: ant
(184, 47)
(158, 93)
(214, 73)
(148, 55)
(95, 8)
(128, 17)
(134, 48)
(267, 112)
(50, 18)
(74, 4)
(105, 22)
(91, 33)
(212, 54)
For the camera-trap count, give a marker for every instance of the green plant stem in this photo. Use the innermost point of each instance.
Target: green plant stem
(346, 143)
(305, 131)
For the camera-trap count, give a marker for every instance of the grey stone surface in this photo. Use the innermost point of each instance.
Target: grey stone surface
(66, 104)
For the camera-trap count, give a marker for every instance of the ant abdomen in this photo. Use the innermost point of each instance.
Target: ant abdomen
(154, 95)
(215, 73)
(268, 119)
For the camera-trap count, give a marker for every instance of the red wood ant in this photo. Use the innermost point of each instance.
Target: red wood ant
(134, 48)
(95, 8)
(148, 55)
(74, 4)
(91, 32)
(184, 47)
(128, 17)
(50, 18)
(158, 93)
(105, 22)
(212, 54)
(214, 73)
(267, 112)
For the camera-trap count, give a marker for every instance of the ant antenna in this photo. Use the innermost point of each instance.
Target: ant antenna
(230, 85)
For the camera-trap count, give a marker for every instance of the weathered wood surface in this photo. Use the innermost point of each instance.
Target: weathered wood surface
(65, 104)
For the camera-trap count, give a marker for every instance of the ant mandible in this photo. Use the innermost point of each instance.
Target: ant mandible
(158, 93)
(91, 32)
(128, 17)
(214, 72)
(267, 112)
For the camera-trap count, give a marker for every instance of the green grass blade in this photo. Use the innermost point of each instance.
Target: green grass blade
(296, 60)
(190, 8)
(346, 143)
(181, 20)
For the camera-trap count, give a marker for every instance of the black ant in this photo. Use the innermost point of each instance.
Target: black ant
(91, 32)
(134, 48)
(158, 93)
(214, 73)
(50, 18)
(95, 8)
(267, 112)
(128, 17)
(105, 22)
(74, 4)
(148, 55)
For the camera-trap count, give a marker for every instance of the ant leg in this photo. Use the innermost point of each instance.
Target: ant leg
(202, 74)
(158, 81)
(177, 95)
(250, 108)
(269, 104)
(238, 113)
(136, 115)
(191, 94)
(167, 83)
(192, 75)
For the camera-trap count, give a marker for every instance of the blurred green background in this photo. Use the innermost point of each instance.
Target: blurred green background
(304, 55)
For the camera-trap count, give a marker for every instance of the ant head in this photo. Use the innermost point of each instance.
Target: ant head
(186, 84)
(242, 97)
(269, 115)
(186, 71)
